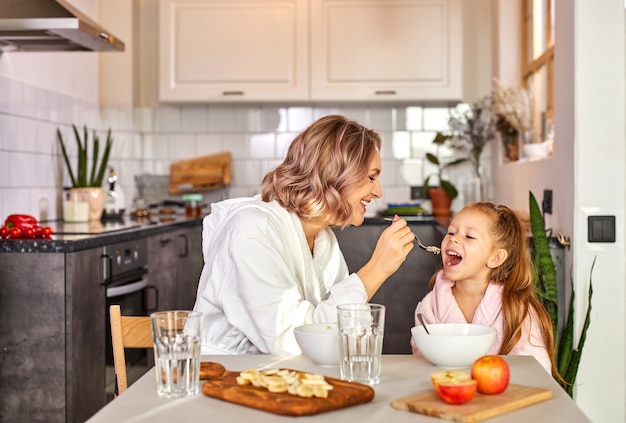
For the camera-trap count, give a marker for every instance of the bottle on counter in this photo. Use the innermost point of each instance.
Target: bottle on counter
(193, 205)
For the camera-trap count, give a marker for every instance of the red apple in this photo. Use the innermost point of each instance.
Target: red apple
(453, 386)
(492, 374)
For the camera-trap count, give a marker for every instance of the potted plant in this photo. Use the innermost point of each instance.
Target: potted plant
(86, 180)
(441, 196)
(567, 356)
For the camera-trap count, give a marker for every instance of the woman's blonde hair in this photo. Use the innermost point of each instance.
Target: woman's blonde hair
(322, 164)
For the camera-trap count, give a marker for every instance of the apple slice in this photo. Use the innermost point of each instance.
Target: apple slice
(454, 386)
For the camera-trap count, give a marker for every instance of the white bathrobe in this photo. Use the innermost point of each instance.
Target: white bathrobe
(260, 280)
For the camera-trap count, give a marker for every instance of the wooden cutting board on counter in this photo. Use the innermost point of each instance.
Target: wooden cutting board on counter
(479, 408)
(344, 394)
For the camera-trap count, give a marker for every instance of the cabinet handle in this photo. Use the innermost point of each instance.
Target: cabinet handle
(108, 263)
(385, 92)
(232, 93)
(186, 246)
(165, 241)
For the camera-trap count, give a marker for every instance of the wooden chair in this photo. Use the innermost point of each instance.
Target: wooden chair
(127, 332)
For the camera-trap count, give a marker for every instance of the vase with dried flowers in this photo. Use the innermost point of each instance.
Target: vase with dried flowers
(472, 126)
(512, 105)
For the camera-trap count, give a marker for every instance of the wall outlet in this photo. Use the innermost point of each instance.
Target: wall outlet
(417, 192)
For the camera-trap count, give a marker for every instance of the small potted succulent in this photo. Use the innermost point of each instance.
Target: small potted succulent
(86, 180)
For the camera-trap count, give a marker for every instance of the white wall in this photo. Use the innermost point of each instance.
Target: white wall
(587, 176)
(599, 157)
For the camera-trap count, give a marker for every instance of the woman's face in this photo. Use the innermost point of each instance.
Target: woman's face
(361, 195)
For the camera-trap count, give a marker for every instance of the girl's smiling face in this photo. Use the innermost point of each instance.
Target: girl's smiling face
(468, 251)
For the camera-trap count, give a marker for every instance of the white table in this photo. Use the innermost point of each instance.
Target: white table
(402, 375)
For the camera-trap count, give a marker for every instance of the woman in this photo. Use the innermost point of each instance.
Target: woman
(272, 262)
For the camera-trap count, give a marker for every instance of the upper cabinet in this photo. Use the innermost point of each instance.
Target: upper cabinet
(233, 50)
(386, 50)
(310, 50)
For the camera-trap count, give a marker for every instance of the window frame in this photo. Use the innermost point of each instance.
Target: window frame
(538, 26)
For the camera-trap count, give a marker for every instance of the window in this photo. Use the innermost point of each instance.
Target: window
(538, 62)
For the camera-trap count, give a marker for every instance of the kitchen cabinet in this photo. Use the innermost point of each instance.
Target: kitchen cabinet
(53, 313)
(175, 262)
(234, 50)
(310, 50)
(386, 50)
(52, 309)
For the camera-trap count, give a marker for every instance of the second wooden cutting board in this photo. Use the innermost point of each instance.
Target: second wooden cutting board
(479, 408)
(343, 394)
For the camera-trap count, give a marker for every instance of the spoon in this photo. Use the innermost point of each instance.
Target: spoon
(421, 319)
(430, 248)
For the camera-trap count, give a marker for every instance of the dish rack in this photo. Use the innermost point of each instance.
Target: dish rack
(207, 175)
(155, 189)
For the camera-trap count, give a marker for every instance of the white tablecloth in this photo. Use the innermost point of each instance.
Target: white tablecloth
(402, 375)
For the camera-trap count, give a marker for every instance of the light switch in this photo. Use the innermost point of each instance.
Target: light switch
(601, 228)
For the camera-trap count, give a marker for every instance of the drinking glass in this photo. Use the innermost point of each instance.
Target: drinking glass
(361, 329)
(176, 336)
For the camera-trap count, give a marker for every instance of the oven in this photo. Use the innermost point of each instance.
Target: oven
(126, 283)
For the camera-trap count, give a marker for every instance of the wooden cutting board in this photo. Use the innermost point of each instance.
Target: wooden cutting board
(479, 408)
(344, 394)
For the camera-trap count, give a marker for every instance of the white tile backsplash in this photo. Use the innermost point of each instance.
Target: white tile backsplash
(262, 146)
(147, 140)
(220, 118)
(181, 146)
(194, 119)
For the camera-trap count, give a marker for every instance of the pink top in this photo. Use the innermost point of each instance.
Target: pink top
(440, 306)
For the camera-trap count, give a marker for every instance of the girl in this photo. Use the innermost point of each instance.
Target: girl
(487, 279)
(272, 262)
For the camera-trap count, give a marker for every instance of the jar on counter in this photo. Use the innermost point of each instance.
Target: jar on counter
(193, 205)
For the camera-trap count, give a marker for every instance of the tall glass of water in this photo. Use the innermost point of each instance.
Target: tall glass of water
(361, 330)
(177, 336)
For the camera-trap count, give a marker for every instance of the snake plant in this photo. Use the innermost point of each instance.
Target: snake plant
(81, 179)
(567, 356)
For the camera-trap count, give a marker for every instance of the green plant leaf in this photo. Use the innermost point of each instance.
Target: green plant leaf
(432, 158)
(567, 339)
(545, 277)
(94, 160)
(80, 177)
(105, 160)
(65, 157)
(572, 369)
(456, 162)
(441, 139)
(81, 169)
(449, 188)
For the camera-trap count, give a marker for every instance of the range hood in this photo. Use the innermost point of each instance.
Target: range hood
(51, 25)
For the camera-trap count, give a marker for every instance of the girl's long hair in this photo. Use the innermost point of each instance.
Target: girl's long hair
(322, 164)
(516, 276)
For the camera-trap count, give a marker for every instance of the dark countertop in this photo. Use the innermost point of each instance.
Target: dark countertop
(69, 237)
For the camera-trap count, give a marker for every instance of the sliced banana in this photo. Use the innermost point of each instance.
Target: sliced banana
(306, 385)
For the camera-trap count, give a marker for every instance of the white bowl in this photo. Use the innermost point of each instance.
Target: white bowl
(536, 150)
(319, 342)
(453, 345)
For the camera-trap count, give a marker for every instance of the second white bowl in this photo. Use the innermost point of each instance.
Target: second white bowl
(453, 345)
(319, 342)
